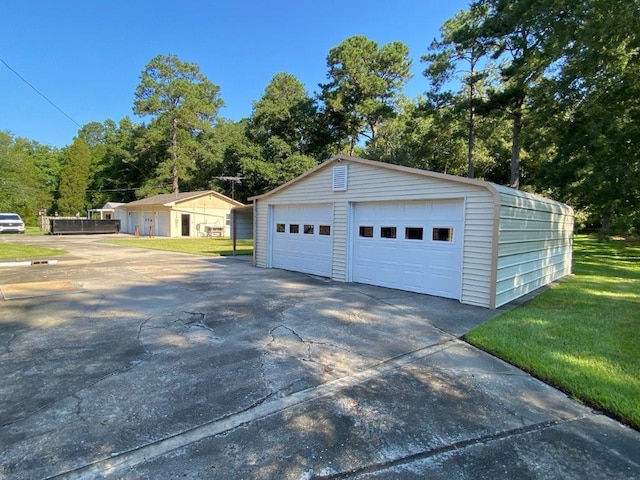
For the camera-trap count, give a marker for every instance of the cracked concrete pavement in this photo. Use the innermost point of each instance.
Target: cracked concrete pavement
(175, 366)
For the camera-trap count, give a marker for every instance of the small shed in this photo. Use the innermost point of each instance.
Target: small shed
(185, 214)
(107, 212)
(357, 220)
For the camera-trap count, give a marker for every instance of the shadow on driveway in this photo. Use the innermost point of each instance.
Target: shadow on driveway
(170, 365)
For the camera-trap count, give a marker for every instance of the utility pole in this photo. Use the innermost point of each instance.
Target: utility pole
(237, 179)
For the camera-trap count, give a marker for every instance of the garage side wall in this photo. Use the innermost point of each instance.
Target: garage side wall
(367, 183)
(535, 244)
(243, 220)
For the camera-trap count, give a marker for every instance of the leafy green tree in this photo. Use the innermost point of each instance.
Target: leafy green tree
(75, 178)
(284, 119)
(431, 133)
(47, 163)
(93, 134)
(460, 54)
(519, 34)
(403, 139)
(221, 147)
(364, 84)
(184, 104)
(23, 187)
(118, 168)
(240, 155)
(591, 106)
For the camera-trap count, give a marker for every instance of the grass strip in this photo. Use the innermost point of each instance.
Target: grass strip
(582, 335)
(15, 251)
(212, 247)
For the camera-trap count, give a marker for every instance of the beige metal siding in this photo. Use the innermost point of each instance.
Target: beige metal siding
(477, 250)
(340, 235)
(534, 244)
(203, 209)
(368, 183)
(260, 246)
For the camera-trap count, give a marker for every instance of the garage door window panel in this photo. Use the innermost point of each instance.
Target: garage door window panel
(442, 234)
(324, 230)
(388, 232)
(294, 228)
(280, 227)
(308, 229)
(413, 233)
(366, 232)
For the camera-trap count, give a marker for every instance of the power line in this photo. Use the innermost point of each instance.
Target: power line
(39, 93)
(237, 179)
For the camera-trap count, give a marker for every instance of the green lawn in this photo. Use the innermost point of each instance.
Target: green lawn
(30, 230)
(14, 251)
(583, 335)
(198, 246)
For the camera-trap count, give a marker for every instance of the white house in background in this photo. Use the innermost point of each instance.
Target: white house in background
(186, 214)
(356, 220)
(107, 212)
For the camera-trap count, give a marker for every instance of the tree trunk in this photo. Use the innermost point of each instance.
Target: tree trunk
(605, 228)
(174, 154)
(515, 149)
(471, 136)
(472, 132)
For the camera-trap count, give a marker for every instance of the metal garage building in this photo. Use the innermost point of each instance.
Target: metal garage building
(357, 220)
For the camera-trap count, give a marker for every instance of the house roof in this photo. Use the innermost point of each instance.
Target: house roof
(171, 199)
(495, 189)
(111, 205)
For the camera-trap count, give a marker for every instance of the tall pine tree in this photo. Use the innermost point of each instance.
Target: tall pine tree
(75, 178)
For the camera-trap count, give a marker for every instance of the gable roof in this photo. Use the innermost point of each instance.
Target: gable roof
(111, 205)
(374, 163)
(495, 189)
(171, 199)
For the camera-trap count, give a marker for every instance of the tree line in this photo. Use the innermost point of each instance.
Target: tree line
(541, 95)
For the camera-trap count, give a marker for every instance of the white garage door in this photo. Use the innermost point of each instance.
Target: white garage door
(162, 224)
(134, 221)
(302, 238)
(147, 224)
(414, 246)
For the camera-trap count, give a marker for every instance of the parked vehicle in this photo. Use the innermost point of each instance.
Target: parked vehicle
(11, 223)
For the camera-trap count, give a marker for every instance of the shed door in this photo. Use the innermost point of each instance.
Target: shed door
(133, 221)
(162, 224)
(185, 224)
(302, 238)
(414, 246)
(147, 223)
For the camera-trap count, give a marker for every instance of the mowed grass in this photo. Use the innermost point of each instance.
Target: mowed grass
(30, 230)
(15, 251)
(209, 246)
(582, 335)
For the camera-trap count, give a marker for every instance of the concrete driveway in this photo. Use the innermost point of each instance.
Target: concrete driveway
(134, 364)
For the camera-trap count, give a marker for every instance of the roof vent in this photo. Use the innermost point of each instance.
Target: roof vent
(340, 178)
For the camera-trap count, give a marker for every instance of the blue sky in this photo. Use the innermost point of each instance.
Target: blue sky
(86, 56)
